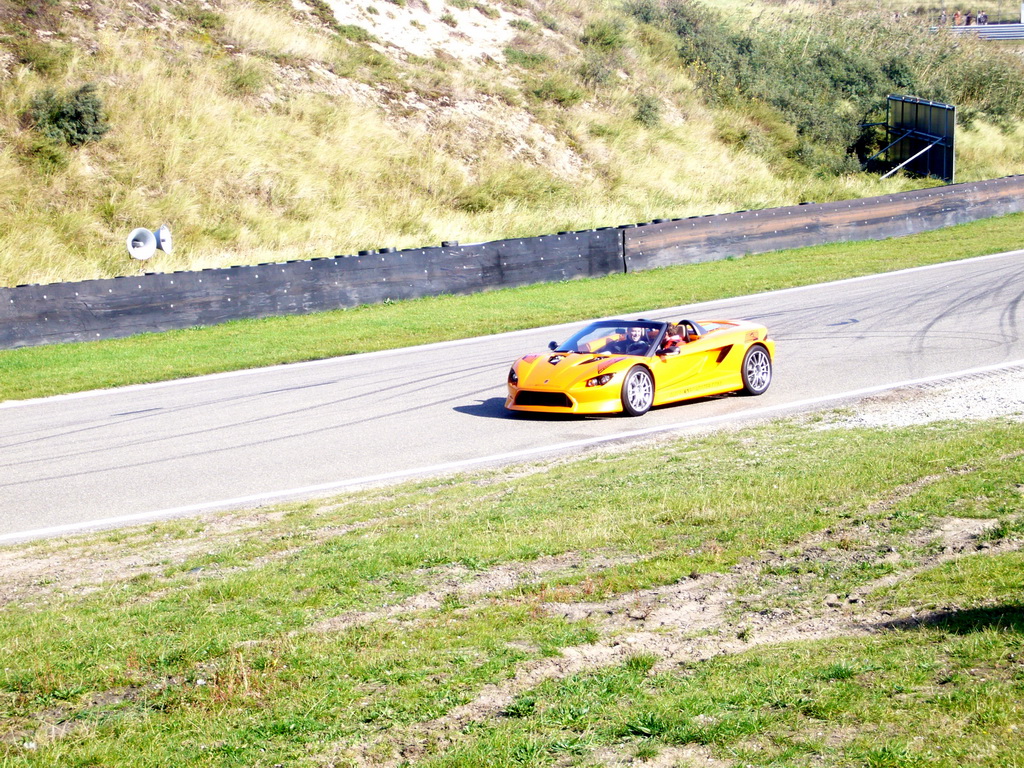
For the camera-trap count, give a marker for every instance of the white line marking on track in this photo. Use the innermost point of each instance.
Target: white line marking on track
(507, 334)
(453, 466)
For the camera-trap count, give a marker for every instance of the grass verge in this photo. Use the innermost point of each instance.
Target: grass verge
(785, 595)
(61, 368)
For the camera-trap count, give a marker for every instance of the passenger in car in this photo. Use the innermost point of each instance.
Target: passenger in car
(673, 338)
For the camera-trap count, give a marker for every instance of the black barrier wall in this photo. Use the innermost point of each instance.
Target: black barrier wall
(123, 306)
(117, 307)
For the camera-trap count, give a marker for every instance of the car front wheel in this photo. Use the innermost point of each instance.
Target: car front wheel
(637, 391)
(757, 370)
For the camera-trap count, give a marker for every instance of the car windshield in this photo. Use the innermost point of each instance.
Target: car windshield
(616, 337)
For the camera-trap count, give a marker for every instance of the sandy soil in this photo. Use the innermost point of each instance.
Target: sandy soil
(469, 35)
(474, 36)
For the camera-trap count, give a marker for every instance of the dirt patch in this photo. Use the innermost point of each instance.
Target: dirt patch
(58, 567)
(958, 533)
(458, 585)
(470, 124)
(687, 623)
(475, 34)
(690, 756)
(61, 722)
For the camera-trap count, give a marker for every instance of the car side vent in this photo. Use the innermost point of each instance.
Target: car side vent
(723, 353)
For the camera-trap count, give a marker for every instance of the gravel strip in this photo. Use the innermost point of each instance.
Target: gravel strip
(970, 398)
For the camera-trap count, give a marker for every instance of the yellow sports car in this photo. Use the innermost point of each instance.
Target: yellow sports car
(632, 365)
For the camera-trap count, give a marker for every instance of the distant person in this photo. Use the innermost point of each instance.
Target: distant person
(968, 19)
(943, 19)
(982, 17)
(956, 18)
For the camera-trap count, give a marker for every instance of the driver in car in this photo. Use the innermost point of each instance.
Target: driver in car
(632, 341)
(635, 342)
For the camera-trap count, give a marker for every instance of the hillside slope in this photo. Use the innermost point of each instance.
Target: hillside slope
(265, 130)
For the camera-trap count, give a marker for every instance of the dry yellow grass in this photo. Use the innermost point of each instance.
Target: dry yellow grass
(258, 134)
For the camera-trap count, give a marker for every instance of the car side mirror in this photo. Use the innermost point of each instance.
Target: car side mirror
(670, 352)
(552, 345)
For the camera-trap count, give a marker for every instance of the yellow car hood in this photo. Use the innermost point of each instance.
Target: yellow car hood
(563, 371)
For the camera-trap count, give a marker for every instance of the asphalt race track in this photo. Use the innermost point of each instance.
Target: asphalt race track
(254, 437)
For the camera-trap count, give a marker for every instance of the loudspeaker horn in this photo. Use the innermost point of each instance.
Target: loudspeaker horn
(163, 238)
(141, 244)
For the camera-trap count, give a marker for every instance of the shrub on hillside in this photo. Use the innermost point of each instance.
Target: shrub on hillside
(648, 110)
(73, 119)
(701, 31)
(45, 58)
(47, 155)
(355, 33)
(518, 186)
(525, 59)
(558, 90)
(596, 70)
(605, 34)
(549, 21)
(246, 77)
(644, 11)
(323, 11)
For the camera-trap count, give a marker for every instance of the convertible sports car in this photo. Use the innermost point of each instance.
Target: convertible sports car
(632, 365)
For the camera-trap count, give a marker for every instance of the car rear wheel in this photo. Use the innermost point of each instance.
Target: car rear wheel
(637, 391)
(757, 370)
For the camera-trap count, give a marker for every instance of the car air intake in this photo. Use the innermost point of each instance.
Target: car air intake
(544, 399)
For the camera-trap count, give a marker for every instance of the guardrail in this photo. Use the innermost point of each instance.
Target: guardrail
(116, 307)
(992, 31)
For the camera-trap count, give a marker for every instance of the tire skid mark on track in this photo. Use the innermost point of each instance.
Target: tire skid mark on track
(396, 392)
(184, 436)
(554, 449)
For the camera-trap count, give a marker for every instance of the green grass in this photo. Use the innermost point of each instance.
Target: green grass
(49, 370)
(343, 630)
(892, 704)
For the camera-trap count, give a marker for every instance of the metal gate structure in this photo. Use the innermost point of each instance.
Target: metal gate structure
(924, 137)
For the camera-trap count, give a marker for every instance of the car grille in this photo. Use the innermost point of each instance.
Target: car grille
(544, 399)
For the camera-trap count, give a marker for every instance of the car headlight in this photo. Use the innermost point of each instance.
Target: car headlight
(599, 381)
(513, 377)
